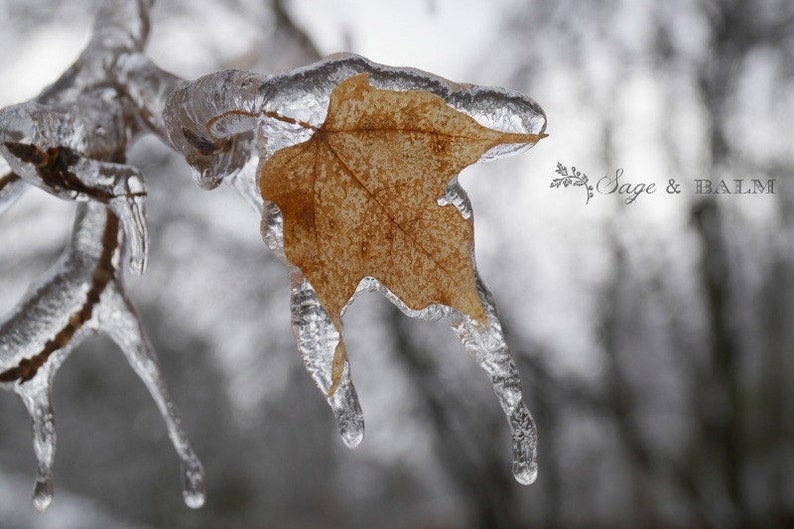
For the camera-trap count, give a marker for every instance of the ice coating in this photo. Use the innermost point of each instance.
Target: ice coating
(58, 149)
(204, 116)
(213, 157)
(71, 141)
(81, 294)
(205, 119)
(317, 338)
(11, 188)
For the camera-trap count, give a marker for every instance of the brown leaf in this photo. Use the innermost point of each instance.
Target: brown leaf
(359, 198)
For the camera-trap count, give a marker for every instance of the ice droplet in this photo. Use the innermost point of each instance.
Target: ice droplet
(524, 472)
(525, 441)
(349, 417)
(193, 488)
(42, 495)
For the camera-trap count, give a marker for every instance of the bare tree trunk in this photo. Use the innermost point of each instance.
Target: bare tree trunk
(735, 31)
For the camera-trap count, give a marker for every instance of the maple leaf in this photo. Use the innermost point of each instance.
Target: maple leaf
(360, 198)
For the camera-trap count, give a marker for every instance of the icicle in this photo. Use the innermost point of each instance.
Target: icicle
(11, 188)
(38, 402)
(487, 346)
(244, 182)
(121, 323)
(317, 342)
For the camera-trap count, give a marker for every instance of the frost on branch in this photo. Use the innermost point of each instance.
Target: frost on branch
(358, 167)
(71, 141)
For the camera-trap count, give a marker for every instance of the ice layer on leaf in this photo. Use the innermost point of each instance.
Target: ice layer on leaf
(293, 117)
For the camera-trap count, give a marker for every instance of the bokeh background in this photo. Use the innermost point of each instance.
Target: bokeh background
(654, 339)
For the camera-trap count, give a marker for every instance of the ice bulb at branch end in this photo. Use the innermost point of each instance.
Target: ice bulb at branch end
(43, 494)
(525, 446)
(526, 474)
(525, 469)
(130, 211)
(194, 499)
(193, 489)
(352, 432)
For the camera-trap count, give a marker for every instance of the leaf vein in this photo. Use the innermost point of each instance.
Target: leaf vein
(374, 197)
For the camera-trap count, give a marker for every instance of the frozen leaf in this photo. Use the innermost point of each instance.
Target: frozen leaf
(359, 199)
(357, 169)
(209, 120)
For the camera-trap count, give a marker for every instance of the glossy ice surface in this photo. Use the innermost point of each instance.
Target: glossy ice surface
(71, 140)
(222, 121)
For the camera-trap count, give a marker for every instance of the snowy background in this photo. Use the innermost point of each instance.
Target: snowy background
(654, 338)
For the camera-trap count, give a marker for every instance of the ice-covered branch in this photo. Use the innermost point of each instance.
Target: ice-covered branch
(81, 294)
(71, 141)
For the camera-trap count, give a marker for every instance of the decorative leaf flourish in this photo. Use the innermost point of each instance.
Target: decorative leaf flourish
(575, 178)
(360, 198)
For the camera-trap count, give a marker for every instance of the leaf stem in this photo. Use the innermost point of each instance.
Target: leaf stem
(268, 113)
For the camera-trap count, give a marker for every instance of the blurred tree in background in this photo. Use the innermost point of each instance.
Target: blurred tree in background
(654, 338)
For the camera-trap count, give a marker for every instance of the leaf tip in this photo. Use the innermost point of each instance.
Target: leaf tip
(338, 366)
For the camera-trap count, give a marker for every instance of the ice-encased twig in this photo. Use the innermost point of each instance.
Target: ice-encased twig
(82, 294)
(56, 149)
(147, 86)
(92, 113)
(120, 27)
(193, 105)
(122, 324)
(207, 117)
